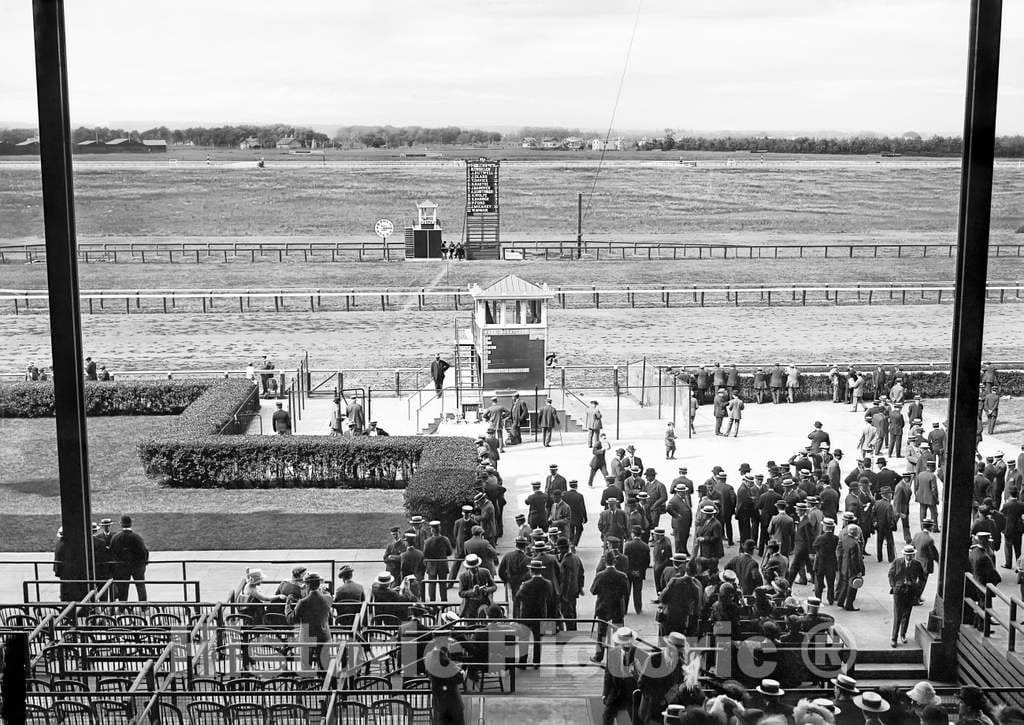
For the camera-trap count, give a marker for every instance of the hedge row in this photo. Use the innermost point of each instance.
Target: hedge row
(272, 461)
(165, 397)
(210, 412)
(927, 384)
(445, 480)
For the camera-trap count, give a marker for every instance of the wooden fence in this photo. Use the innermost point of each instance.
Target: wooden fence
(384, 300)
(198, 252)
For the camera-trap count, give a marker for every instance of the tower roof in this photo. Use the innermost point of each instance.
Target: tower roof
(511, 287)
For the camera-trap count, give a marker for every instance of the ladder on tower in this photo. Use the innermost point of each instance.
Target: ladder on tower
(467, 365)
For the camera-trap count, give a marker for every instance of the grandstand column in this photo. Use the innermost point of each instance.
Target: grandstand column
(62, 279)
(968, 324)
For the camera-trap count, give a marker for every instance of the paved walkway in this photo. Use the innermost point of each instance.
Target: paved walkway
(759, 441)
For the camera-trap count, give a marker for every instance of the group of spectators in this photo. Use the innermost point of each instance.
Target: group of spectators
(453, 250)
(120, 555)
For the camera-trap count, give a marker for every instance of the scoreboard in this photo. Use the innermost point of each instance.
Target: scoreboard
(483, 219)
(481, 187)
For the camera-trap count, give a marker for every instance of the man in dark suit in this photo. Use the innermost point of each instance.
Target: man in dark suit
(884, 519)
(131, 557)
(572, 582)
(513, 571)
(661, 554)
(611, 588)
(482, 548)
(554, 481)
(726, 504)
(895, 430)
(437, 370)
(461, 531)
(313, 615)
(638, 556)
(825, 563)
(476, 587)
(578, 508)
(90, 369)
(537, 502)
(777, 382)
(520, 418)
(547, 419)
(631, 460)
(746, 508)
(536, 601)
(906, 579)
(281, 421)
(803, 542)
(1013, 528)
(411, 560)
(620, 677)
(748, 574)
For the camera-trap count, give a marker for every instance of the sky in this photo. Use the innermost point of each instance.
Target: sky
(705, 65)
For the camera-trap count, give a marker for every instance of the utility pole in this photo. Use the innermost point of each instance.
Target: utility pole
(579, 225)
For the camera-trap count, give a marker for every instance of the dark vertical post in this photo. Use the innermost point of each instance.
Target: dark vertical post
(579, 225)
(968, 317)
(62, 282)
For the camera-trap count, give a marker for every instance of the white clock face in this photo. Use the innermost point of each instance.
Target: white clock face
(384, 227)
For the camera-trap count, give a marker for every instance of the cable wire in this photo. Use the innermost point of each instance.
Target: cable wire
(615, 108)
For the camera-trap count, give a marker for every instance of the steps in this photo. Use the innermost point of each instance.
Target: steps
(467, 372)
(902, 667)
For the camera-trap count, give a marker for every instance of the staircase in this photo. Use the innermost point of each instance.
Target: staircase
(903, 667)
(467, 365)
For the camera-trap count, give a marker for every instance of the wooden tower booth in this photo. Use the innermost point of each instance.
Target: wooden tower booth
(510, 330)
(423, 240)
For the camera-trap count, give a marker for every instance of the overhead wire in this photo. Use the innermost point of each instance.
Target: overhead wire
(615, 108)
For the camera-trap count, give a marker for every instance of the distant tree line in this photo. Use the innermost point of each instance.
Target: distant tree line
(399, 136)
(909, 145)
(198, 135)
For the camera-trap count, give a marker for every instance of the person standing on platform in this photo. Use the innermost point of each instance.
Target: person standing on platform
(356, 416)
(438, 368)
(547, 419)
(611, 588)
(680, 508)
(926, 492)
(901, 504)
(313, 615)
(1013, 529)
(825, 563)
(703, 380)
(620, 677)
(495, 416)
(657, 498)
(792, 382)
(578, 508)
(926, 553)
(520, 418)
(895, 431)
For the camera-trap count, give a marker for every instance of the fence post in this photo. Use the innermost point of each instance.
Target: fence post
(643, 380)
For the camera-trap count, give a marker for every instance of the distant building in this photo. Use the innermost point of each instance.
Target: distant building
(118, 142)
(288, 142)
(549, 143)
(574, 143)
(28, 141)
(155, 144)
(529, 142)
(250, 143)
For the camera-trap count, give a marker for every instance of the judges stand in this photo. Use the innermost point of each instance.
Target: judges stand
(423, 239)
(501, 349)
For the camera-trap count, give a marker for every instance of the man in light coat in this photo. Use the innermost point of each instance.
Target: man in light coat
(594, 423)
(735, 410)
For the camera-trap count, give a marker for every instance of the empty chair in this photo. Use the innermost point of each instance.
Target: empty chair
(416, 683)
(34, 684)
(131, 620)
(7, 612)
(113, 684)
(112, 712)
(206, 712)
(284, 682)
(345, 621)
(68, 686)
(385, 620)
(21, 621)
(350, 713)
(383, 649)
(67, 712)
(391, 712)
(288, 713)
(37, 715)
(238, 620)
(164, 619)
(368, 682)
(275, 619)
(169, 714)
(205, 684)
(246, 713)
(245, 684)
(308, 683)
(100, 620)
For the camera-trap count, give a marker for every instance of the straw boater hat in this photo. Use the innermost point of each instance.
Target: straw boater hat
(827, 704)
(771, 688)
(871, 702)
(535, 564)
(385, 577)
(845, 683)
(472, 561)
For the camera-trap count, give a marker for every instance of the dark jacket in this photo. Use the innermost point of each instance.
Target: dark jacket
(611, 587)
(129, 549)
(536, 597)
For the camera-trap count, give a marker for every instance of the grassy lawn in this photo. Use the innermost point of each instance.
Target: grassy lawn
(171, 518)
(630, 199)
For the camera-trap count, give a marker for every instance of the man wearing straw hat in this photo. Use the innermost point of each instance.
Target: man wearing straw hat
(771, 693)
(535, 601)
(872, 705)
(475, 588)
(620, 677)
(906, 579)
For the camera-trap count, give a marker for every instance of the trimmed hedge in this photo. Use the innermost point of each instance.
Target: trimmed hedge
(273, 461)
(445, 480)
(164, 397)
(927, 384)
(210, 412)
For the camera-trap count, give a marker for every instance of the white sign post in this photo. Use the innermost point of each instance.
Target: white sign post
(384, 229)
